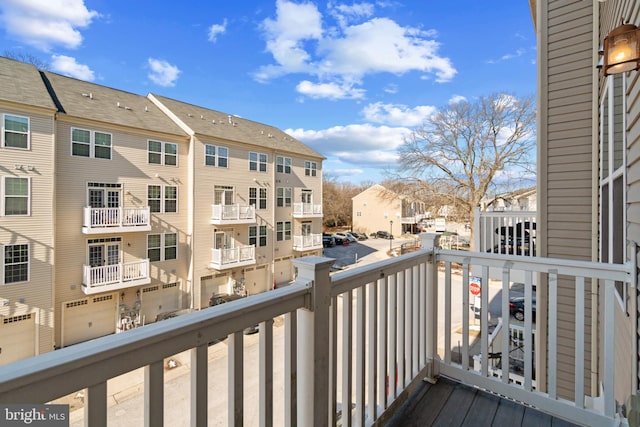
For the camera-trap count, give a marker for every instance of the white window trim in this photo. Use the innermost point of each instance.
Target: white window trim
(163, 199)
(92, 144)
(284, 165)
(258, 162)
(4, 130)
(2, 273)
(310, 169)
(283, 232)
(258, 235)
(284, 197)
(163, 145)
(163, 246)
(216, 156)
(4, 195)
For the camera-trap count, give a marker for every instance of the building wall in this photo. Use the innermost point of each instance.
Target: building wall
(374, 208)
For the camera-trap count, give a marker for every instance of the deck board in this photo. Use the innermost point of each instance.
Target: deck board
(451, 404)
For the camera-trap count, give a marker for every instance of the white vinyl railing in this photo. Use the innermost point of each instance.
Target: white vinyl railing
(506, 232)
(233, 213)
(231, 256)
(310, 241)
(355, 339)
(116, 217)
(94, 277)
(304, 210)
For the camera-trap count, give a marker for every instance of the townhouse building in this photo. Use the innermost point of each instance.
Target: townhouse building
(118, 208)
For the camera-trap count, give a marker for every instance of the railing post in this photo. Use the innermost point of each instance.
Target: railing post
(429, 243)
(313, 342)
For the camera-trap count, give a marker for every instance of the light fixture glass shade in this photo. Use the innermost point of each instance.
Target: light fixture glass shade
(622, 50)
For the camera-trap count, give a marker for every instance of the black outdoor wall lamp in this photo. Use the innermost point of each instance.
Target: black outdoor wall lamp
(621, 50)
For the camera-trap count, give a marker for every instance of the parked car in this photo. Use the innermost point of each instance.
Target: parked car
(345, 236)
(328, 240)
(358, 236)
(363, 236)
(517, 305)
(384, 235)
(217, 299)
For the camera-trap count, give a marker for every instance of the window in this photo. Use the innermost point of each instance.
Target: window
(283, 164)
(15, 132)
(223, 195)
(162, 153)
(258, 197)
(613, 175)
(283, 197)
(258, 235)
(86, 143)
(306, 196)
(216, 156)
(159, 204)
(16, 263)
(17, 196)
(283, 230)
(162, 247)
(257, 162)
(310, 168)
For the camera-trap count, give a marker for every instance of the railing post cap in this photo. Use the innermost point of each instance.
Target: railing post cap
(429, 240)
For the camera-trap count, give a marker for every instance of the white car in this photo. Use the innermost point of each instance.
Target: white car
(346, 236)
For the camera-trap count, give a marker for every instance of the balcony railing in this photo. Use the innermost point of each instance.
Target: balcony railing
(112, 277)
(414, 219)
(116, 220)
(506, 232)
(357, 339)
(233, 214)
(307, 243)
(307, 210)
(222, 259)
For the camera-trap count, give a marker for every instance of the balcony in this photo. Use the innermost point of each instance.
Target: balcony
(307, 243)
(116, 220)
(106, 278)
(222, 259)
(366, 339)
(307, 210)
(233, 214)
(414, 219)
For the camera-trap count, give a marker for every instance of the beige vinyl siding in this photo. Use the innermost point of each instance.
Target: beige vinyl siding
(35, 229)
(565, 159)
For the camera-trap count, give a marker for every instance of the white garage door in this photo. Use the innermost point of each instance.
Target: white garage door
(17, 338)
(283, 270)
(215, 284)
(256, 280)
(88, 318)
(159, 299)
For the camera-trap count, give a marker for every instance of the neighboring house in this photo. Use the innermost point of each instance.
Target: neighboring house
(118, 207)
(378, 208)
(588, 185)
(520, 200)
(27, 170)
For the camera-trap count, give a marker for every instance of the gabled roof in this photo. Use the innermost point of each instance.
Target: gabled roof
(21, 83)
(103, 104)
(218, 125)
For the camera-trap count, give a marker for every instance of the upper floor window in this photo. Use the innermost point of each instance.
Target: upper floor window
(257, 162)
(216, 156)
(283, 230)
(258, 235)
(163, 153)
(283, 164)
(16, 195)
(15, 131)
(162, 247)
(310, 168)
(258, 197)
(16, 263)
(283, 197)
(86, 143)
(162, 198)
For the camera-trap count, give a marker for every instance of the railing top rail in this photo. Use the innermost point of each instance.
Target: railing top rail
(500, 214)
(76, 367)
(589, 269)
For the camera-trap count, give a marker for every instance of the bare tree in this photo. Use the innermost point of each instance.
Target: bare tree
(337, 206)
(467, 148)
(29, 59)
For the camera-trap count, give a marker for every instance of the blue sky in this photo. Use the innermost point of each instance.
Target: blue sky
(349, 79)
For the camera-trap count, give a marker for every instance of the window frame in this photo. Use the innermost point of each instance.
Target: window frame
(260, 201)
(5, 131)
(4, 196)
(284, 200)
(310, 168)
(163, 200)
(5, 264)
(283, 233)
(91, 145)
(259, 164)
(218, 158)
(162, 247)
(284, 164)
(163, 154)
(258, 235)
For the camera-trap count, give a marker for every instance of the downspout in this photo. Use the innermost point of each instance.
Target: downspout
(595, 138)
(193, 302)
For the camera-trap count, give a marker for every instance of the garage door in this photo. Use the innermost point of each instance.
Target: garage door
(88, 318)
(17, 338)
(283, 270)
(214, 284)
(256, 279)
(159, 299)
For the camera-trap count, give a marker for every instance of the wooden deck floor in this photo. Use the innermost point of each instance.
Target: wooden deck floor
(451, 404)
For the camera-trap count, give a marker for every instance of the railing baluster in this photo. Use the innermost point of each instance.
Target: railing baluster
(609, 347)
(392, 345)
(290, 370)
(579, 346)
(383, 372)
(154, 394)
(400, 327)
(333, 360)
(528, 329)
(373, 373)
(447, 312)
(484, 321)
(361, 295)
(552, 333)
(347, 352)
(504, 360)
(415, 324)
(422, 330)
(465, 316)
(235, 379)
(266, 374)
(199, 385)
(95, 410)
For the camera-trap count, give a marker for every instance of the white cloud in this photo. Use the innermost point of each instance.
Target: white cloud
(44, 24)
(397, 114)
(216, 29)
(299, 43)
(329, 90)
(356, 144)
(456, 98)
(163, 73)
(68, 66)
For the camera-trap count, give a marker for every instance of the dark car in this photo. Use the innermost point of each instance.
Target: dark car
(384, 235)
(516, 308)
(358, 236)
(340, 240)
(328, 240)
